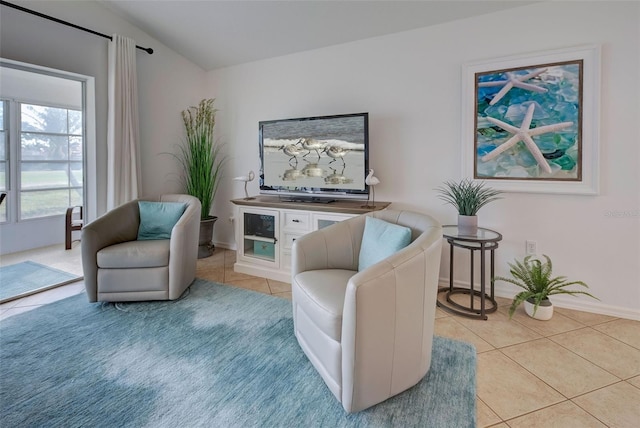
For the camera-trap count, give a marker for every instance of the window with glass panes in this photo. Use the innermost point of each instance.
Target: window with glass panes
(51, 148)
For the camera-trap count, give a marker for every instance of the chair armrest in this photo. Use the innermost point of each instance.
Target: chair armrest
(183, 248)
(376, 338)
(116, 226)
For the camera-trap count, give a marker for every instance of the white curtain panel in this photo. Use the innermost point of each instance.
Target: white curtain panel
(123, 168)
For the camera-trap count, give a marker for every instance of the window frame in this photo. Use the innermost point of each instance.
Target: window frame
(35, 233)
(68, 162)
(4, 125)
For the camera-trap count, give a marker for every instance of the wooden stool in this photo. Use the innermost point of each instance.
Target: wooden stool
(71, 224)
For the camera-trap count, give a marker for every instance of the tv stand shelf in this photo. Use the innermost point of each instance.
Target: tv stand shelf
(267, 226)
(338, 206)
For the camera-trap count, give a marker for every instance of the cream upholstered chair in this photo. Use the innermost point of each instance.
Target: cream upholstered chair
(118, 267)
(369, 333)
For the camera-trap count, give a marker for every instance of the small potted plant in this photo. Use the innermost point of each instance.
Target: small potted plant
(467, 196)
(202, 160)
(534, 277)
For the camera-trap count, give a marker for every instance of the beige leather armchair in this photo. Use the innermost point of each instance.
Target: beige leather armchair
(118, 268)
(368, 334)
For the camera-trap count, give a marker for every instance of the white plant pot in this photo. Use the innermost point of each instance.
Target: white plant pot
(468, 225)
(543, 313)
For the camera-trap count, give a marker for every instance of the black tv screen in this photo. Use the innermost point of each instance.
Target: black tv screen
(315, 157)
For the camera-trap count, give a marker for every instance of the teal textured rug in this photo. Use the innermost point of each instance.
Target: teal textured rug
(24, 278)
(218, 357)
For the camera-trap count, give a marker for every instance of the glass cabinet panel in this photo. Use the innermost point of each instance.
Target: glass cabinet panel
(260, 235)
(321, 220)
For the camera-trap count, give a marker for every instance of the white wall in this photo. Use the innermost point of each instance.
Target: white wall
(410, 83)
(167, 82)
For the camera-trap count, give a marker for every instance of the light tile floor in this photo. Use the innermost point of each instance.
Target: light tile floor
(575, 370)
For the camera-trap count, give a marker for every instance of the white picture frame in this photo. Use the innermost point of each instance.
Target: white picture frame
(546, 69)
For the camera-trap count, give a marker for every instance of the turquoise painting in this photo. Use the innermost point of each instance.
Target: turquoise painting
(528, 123)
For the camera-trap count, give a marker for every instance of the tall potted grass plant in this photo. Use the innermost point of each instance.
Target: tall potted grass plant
(202, 159)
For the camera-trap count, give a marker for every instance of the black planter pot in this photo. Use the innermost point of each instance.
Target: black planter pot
(205, 246)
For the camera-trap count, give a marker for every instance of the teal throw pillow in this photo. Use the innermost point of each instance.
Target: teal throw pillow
(158, 218)
(380, 240)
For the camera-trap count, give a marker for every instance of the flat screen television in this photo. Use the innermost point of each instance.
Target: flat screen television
(315, 158)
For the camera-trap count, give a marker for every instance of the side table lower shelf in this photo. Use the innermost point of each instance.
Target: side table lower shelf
(467, 311)
(484, 240)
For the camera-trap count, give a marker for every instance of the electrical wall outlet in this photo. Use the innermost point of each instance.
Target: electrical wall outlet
(531, 248)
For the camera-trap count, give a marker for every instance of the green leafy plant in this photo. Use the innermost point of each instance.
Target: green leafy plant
(534, 277)
(201, 156)
(467, 196)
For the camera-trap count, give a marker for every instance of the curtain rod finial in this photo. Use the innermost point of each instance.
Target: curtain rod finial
(147, 50)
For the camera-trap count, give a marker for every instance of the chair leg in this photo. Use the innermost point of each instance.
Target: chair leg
(70, 225)
(67, 237)
(68, 228)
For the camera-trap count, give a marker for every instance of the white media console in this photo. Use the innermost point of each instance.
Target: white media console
(266, 226)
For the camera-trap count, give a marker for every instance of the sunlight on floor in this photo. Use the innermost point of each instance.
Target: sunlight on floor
(54, 256)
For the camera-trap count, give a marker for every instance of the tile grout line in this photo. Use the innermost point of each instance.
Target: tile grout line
(593, 362)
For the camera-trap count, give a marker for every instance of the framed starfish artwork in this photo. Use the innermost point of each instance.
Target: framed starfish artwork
(531, 122)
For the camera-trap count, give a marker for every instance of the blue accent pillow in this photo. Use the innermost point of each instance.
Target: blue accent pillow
(380, 240)
(158, 218)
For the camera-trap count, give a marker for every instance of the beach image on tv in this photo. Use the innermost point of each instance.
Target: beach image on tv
(326, 153)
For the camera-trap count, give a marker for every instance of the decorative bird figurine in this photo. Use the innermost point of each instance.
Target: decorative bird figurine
(246, 179)
(372, 181)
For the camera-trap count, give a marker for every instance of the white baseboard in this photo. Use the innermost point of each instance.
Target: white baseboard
(224, 245)
(567, 302)
(262, 271)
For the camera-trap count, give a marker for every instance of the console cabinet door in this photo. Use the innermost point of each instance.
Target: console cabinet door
(322, 220)
(259, 239)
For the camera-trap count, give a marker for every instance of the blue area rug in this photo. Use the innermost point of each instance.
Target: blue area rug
(26, 277)
(219, 357)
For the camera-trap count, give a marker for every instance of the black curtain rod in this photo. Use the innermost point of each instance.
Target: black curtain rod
(60, 21)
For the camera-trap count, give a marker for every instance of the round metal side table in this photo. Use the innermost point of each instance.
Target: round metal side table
(484, 240)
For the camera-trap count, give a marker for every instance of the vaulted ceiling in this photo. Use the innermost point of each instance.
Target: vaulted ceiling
(215, 34)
